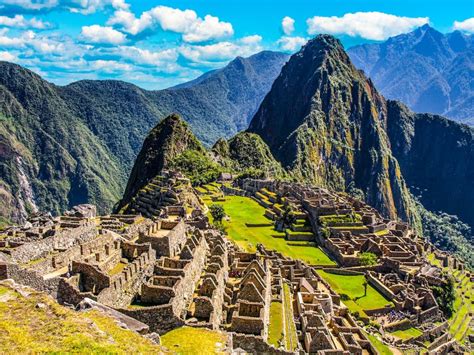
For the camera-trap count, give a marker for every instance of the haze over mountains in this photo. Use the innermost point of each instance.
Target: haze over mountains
(427, 70)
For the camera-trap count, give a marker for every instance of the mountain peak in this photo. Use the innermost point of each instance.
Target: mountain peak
(323, 119)
(167, 140)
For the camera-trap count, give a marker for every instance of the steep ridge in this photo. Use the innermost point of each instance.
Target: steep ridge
(427, 70)
(218, 104)
(436, 158)
(325, 122)
(48, 158)
(166, 141)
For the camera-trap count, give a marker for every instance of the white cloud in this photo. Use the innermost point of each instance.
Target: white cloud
(193, 28)
(19, 21)
(91, 6)
(32, 4)
(466, 25)
(369, 25)
(13, 42)
(101, 34)
(288, 25)
(109, 66)
(222, 51)
(7, 56)
(291, 44)
(78, 6)
(251, 40)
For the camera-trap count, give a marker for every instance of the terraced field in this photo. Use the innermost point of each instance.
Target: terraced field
(248, 227)
(461, 322)
(353, 287)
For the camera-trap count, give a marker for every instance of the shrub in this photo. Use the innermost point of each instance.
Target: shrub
(344, 297)
(217, 213)
(368, 259)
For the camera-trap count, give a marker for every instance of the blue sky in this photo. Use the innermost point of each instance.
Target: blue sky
(157, 44)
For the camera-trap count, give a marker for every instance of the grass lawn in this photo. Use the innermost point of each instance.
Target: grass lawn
(459, 321)
(407, 333)
(187, 340)
(377, 343)
(275, 328)
(291, 339)
(26, 328)
(353, 287)
(243, 210)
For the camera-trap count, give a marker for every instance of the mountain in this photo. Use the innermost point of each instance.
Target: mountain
(436, 159)
(425, 69)
(247, 153)
(166, 141)
(49, 158)
(326, 123)
(60, 146)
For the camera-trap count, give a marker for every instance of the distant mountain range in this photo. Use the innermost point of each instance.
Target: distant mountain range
(61, 146)
(425, 69)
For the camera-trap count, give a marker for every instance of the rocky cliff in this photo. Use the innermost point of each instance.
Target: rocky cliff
(326, 123)
(436, 159)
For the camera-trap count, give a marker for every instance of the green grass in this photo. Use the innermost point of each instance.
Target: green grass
(407, 333)
(433, 260)
(352, 286)
(188, 340)
(26, 328)
(275, 328)
(378, 345)
(244, 210)
(291, 339)
(117, 269)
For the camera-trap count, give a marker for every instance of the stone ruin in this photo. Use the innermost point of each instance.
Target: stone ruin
(173, 269)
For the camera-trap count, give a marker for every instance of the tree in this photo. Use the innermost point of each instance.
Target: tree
(365, 287)
(288, 217)
(368, 259)
(217, 213)
(445, 296)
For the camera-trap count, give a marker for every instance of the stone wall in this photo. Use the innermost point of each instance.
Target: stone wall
(29, 278)
(160, 319)
(62, 239)
(255, 345)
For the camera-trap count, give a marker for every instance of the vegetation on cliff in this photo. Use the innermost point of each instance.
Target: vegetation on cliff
(247, 153)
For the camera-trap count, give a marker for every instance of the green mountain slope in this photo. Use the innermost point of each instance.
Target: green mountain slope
(60, 146)
(49, 159)
(169, 139)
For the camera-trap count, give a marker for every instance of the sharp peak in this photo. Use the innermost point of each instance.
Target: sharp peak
(172, 118)
(325, 41)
